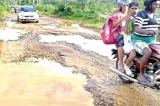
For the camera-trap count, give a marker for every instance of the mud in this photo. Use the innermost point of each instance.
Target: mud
(41, 84)
(105, 88)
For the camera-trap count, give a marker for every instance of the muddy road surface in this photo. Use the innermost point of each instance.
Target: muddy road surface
(59, 63)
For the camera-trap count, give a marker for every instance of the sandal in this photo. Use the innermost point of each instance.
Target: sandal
(121, 69)
(145, 83)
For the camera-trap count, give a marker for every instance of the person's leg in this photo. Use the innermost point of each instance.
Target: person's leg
(143, 49)
(120, 57)
(131, 57)
(119, 45)
(129, 49)
(144, 60)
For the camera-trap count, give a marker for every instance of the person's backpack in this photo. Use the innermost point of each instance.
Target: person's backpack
(108, 32)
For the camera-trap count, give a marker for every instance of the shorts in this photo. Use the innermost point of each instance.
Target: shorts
(128, 46)
(139, 46)
(119, 40)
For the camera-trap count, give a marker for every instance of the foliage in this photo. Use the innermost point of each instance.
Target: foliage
(76, 9)
(4, 8)
(47, 9)
(87, 11)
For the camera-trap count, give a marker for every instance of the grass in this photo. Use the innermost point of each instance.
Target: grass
(89, 22)
(4, 10)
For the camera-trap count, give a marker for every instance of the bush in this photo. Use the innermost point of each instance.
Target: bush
(46, 9)
(61, 8)
(83, 10)
(77, 13)
(3, 9)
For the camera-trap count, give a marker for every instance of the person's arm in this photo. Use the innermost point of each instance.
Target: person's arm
(118, 22)
(116, 18)
(145, 32)
(139, 30)
(125, 28)
(125, 24)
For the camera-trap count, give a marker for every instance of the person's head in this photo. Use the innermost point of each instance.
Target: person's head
(152, 5)
(123, 5)
(133, 8)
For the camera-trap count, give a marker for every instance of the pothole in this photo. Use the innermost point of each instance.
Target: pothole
(42, 83)
(86, 44)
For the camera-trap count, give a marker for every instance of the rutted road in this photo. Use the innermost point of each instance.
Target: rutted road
(104, 87)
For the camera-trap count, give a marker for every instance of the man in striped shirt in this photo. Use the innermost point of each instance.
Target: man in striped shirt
(146, 26)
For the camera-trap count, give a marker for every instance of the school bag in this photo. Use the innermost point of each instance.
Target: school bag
(108, 32)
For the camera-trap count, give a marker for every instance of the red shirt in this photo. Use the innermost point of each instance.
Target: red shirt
(116, 16)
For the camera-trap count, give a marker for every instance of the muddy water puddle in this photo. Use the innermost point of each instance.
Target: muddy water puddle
(41, 84)
(67, 25)
(87, 44)
(9, 34)
(10, 21)
(6, 32)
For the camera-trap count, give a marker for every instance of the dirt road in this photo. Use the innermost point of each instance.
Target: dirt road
(47, 66)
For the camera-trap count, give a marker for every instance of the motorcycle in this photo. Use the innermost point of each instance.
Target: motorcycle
(152, 69)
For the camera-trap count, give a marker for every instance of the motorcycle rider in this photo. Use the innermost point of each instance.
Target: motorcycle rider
(117, 18)
(145, 34)
(15, 8)
(128, 28)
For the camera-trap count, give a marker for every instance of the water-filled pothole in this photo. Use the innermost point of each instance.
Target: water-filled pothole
(9, 34)
(41, 84)
(87, 44)
(61, 25)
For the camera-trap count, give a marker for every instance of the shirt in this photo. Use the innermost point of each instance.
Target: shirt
(116, 16)
(143, 20)
(130, 25)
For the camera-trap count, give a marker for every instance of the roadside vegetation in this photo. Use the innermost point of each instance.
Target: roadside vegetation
(3, 10)
(90, 13)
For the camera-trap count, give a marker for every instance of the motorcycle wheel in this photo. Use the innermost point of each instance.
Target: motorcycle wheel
(126, 81)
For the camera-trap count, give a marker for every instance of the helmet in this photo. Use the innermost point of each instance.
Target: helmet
(148, 2)
(123, 2)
